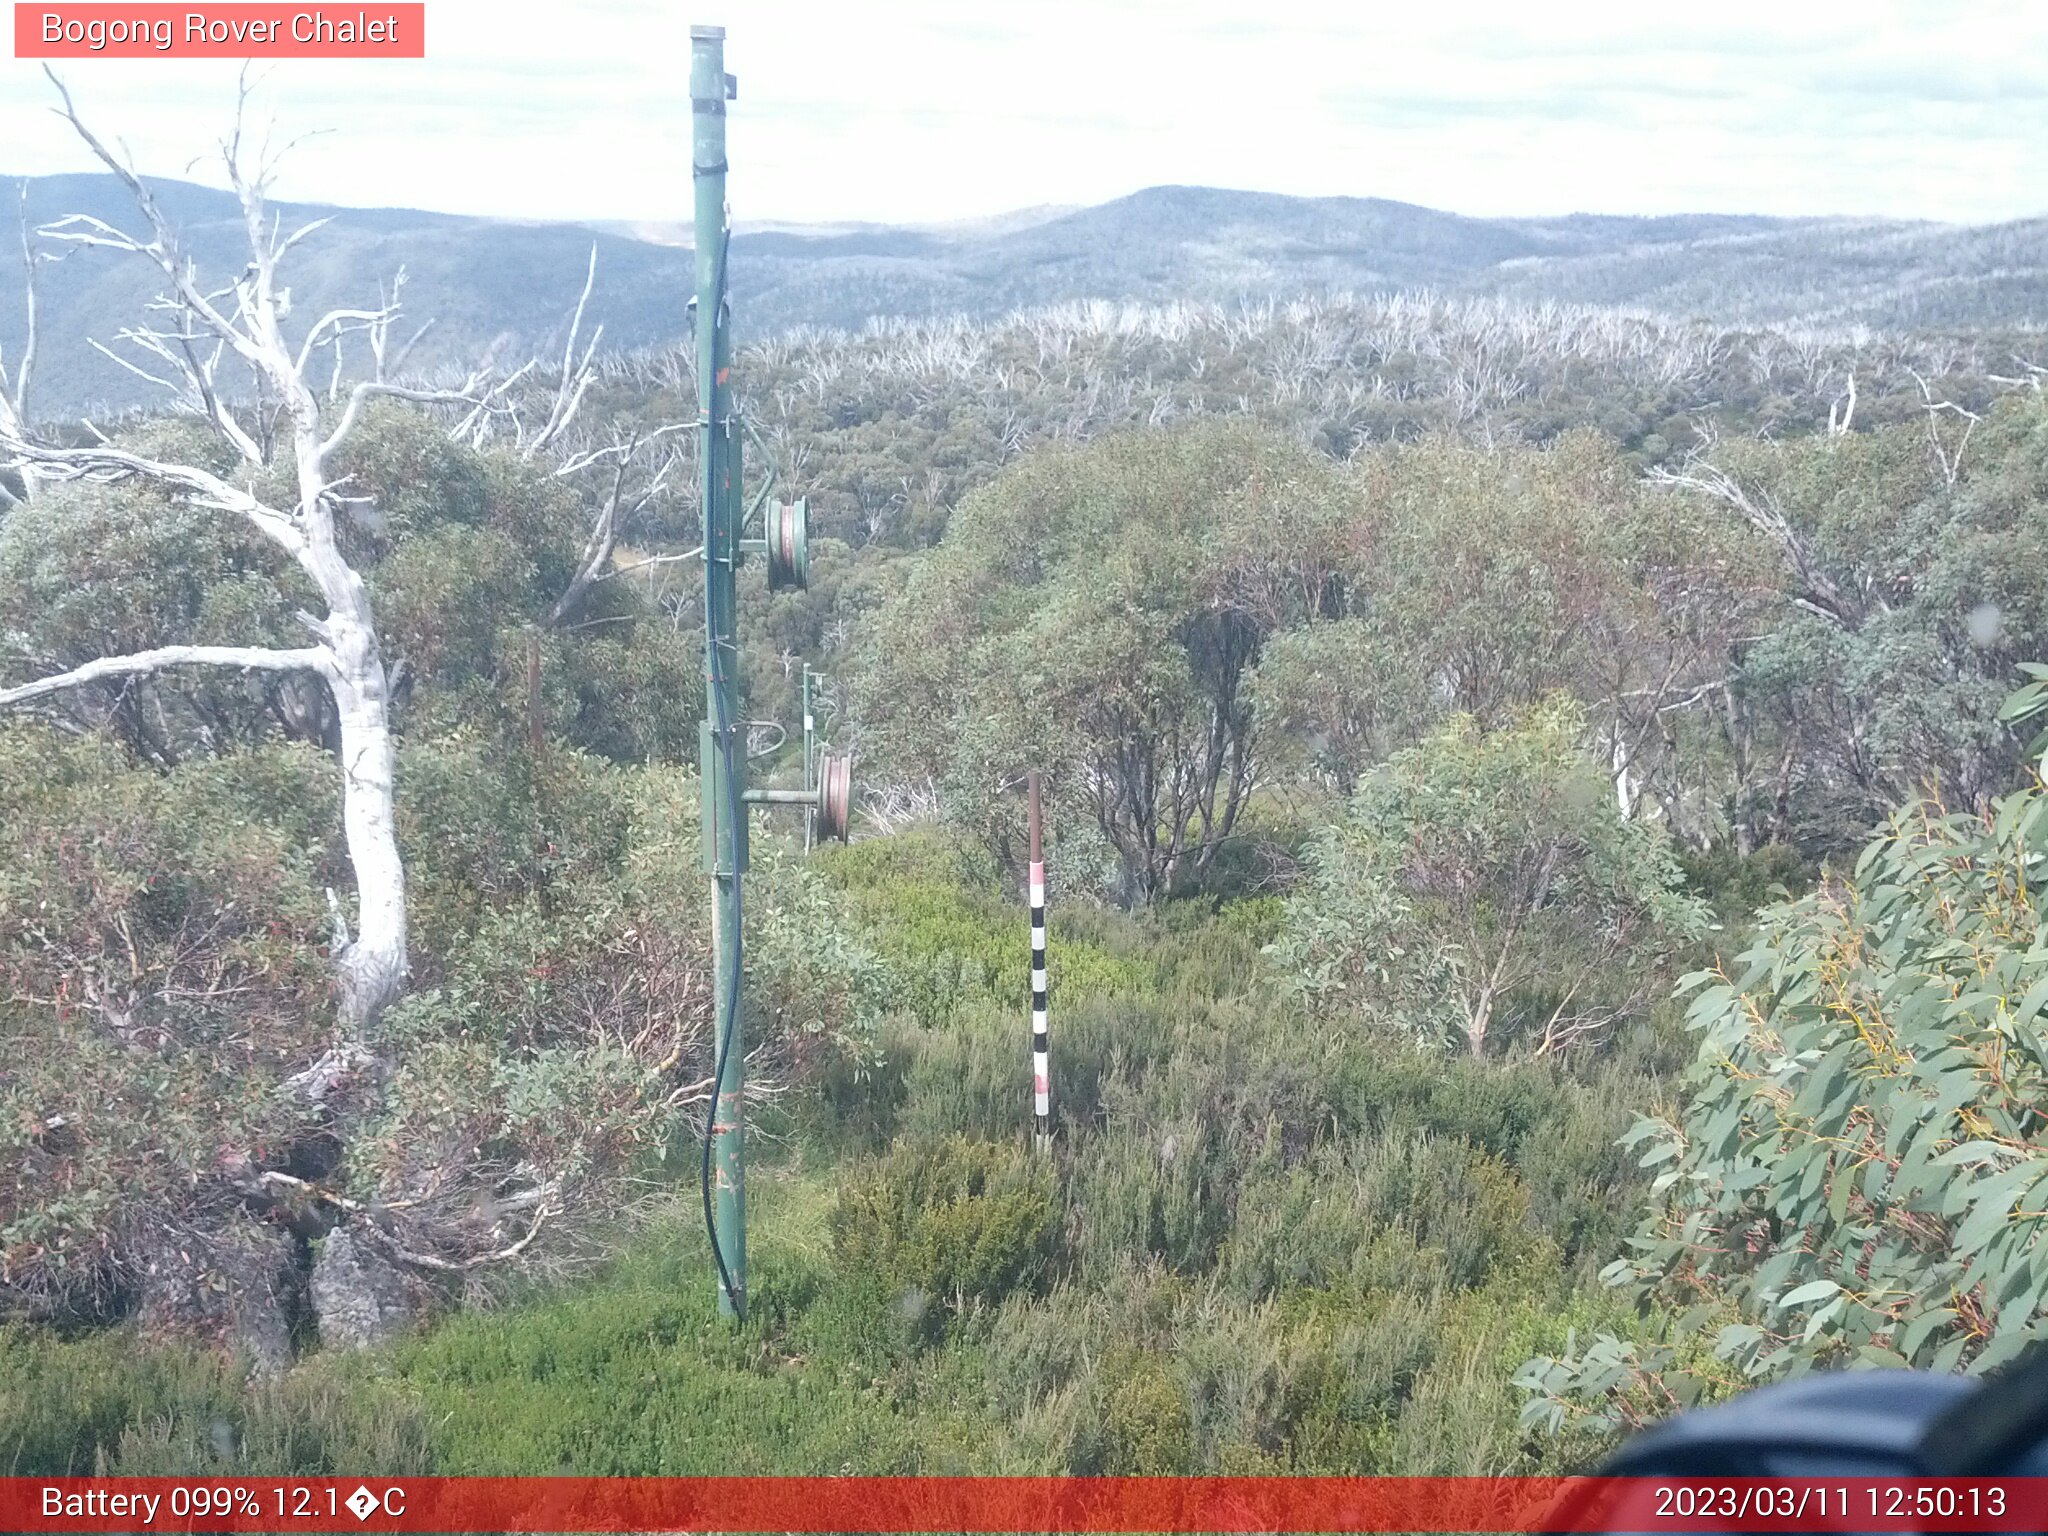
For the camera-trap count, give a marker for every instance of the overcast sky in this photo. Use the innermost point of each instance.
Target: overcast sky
(928, 110)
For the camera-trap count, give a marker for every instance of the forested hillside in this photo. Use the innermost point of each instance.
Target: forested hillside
(1542, 807)
(496, 287)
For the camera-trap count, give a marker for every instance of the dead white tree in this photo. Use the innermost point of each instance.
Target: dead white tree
(624, 499)
(1949, 458)
(2029, 376)
(193, 330)
(1815, 589)
(14, 391)
(1842, 409)
(577, 375)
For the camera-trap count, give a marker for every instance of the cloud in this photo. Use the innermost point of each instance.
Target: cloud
(929, 110)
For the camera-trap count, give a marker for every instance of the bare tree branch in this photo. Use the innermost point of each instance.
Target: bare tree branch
(1951, 460)
(349, 659)
(576, 376)
(1819, 594)
(165, 249)
(594, 564)
(142, 663)
(336, 319)
(544, 1210)
(1842, 409)
(370, 389)
(684, 557)
(104, 463)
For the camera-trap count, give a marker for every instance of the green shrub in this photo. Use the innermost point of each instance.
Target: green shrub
(956, 1221)
(1161, 1190)
(949, 941)
(633, 1373)
(1737, 885)
(1850, 1178)
(159, 974)
(1145, 1422)
(99, 1405)
(1376, 1216)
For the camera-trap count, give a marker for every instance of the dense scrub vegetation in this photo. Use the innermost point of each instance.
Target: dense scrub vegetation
(1260, 1246)
(1773, 645)
(888, 427)
(181, 1144)
(1421, 691)
(1855, 1174)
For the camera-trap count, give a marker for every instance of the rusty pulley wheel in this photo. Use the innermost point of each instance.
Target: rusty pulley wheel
(835, 796)
(789, 551)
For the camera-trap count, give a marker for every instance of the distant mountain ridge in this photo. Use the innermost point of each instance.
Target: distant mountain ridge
(677, 232)
(498, 286)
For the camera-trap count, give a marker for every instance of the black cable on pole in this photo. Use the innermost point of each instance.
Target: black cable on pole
(735, 808)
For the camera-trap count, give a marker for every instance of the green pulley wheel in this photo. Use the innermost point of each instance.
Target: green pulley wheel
(789, 546)
(835, 796)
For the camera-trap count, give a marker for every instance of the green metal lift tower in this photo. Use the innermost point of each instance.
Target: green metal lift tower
(722, 751)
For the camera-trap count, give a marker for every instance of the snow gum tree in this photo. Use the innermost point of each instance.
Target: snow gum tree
(227, 354)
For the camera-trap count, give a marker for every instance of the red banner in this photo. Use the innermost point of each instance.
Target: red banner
(1022, 1504)
(229, 31)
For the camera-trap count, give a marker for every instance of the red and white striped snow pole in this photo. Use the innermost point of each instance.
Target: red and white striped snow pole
(1041, 1079)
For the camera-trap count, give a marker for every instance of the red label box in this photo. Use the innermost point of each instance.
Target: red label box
(1082, 1506)
(378, 30)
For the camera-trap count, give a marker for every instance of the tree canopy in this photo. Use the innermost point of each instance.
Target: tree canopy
(1482, 880)
(1856, 1171)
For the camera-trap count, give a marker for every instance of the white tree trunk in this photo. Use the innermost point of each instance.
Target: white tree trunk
(1628, 788)
(373, 967)
(372, 963)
